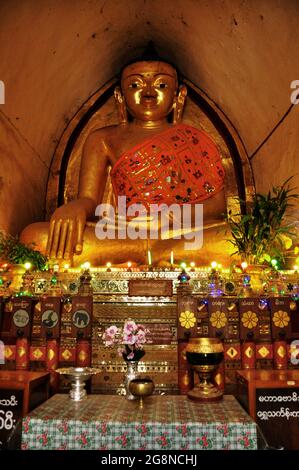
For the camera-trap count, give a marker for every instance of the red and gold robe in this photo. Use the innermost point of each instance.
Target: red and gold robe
(179, 165)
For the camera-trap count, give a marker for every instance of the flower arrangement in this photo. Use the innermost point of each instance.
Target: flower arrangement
(130, 339)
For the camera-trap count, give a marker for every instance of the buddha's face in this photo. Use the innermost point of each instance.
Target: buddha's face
(149, 89)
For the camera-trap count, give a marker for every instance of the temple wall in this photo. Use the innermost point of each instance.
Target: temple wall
(23, 178)
(278, 159)
(244, 55)
(55, 54)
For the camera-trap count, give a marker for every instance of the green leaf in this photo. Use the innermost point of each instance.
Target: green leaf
(261, 232)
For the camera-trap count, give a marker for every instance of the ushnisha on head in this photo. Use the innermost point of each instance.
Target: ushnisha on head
(149, 92)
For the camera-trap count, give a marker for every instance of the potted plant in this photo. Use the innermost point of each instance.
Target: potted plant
(265, 231)
(12, 251)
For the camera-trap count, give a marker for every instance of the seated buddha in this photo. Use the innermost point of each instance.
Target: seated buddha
(155, 159)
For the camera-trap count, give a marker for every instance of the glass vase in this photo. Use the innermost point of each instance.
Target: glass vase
(131, 373)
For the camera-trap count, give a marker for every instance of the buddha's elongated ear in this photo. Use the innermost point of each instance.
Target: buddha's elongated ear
(121, 106)
(178, 104)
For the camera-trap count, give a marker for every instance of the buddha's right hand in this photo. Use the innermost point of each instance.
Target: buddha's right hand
(66, 231)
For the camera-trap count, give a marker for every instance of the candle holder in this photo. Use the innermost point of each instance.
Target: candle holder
(108, 267)
(192, 266)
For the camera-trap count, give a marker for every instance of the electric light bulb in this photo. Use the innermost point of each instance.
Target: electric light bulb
(86, 265)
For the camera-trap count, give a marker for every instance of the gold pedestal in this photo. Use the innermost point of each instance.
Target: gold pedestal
(204, 355)
(205, 390)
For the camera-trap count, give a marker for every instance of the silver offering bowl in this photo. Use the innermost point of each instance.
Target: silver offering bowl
(78, 377)
(204, 355)
(141, 388)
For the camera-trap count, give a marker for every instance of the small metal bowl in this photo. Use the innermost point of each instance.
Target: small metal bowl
(141, 388)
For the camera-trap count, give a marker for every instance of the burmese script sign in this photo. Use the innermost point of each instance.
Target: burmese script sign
(11, 402)
(277, 413)
(150, 287)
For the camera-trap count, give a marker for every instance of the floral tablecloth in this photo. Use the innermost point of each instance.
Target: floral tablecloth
(165, 423)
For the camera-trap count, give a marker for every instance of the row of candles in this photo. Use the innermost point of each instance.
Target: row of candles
(87, 265)
(129, 266)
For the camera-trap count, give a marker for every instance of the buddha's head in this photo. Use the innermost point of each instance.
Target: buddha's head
(149, 89)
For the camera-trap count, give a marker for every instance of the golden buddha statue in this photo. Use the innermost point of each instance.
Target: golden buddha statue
(153, 161)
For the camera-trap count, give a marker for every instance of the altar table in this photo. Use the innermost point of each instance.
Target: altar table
(166, 422)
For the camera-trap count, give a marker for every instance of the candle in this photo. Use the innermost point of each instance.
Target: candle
(85, 266)
(149, 257)
(56, 268)
(244, 266)
(171, 258)
(66, 266)
(108, 266)
(27, 266)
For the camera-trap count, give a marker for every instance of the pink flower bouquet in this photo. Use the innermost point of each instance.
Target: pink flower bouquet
(130, 339)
